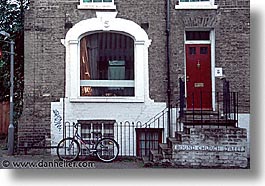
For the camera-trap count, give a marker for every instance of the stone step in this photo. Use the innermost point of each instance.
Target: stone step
(163, 147)
(155, 156)
(209, 122)
(181, 136)
(171, 141)
(147, 162)
(200, 112)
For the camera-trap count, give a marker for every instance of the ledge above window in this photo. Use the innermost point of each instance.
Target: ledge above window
(97, 4)
(107, 100)
(195, 4)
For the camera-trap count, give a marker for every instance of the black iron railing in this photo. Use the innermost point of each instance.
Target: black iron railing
(134, 138)
(208, 108)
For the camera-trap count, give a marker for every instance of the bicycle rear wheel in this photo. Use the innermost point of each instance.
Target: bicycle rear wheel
(68, 149)
(107, 149)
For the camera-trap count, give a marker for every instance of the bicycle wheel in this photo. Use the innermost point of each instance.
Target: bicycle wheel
(68, 149)
(107, 149)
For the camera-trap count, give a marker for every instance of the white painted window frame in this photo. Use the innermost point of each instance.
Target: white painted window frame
(107, 21)
(196, 5)
(108, 83)
(97, 5)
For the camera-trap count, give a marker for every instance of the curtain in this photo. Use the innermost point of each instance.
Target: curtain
(89, 63)
(84, 67)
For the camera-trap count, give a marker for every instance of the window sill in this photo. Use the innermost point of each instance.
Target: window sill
(194, 7)
(106, 100)
(97, 6)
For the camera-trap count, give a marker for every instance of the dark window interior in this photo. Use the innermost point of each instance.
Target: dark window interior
(106, 56)
(203, 50)
(192, 50)
(93, 130)
(197, 35)
(147, 139)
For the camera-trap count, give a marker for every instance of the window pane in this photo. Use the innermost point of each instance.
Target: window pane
(107, 91)
(87, 1)
(106, 56)
(203, 50)
(192, 50)
(197, 35)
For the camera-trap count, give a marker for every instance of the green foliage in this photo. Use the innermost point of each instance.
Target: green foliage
(12, 22)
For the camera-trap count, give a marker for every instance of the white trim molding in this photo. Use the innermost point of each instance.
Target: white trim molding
(107, 22)
(97, 5)
(196, 5)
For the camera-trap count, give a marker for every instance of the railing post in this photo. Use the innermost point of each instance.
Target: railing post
(218, 112)
(182, 98)
(234, 100)
(193, 107)
(121, 136)
(133, 129)
(237, 108)
(201, 106)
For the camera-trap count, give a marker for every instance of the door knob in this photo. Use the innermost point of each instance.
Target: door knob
(198, 64)
(188, 78)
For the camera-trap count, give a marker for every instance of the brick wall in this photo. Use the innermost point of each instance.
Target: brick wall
(45, 55)
(212, 147)
(231, 23)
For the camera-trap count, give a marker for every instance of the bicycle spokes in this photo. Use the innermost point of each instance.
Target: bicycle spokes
(107, 150)
(68, 149)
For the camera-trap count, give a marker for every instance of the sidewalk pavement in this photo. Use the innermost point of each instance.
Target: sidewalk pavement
(51, 161)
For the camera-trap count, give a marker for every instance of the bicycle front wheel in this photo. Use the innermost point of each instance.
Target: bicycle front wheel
(107, 149)
(68, 149)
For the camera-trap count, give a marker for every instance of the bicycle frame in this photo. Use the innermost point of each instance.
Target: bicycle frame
(82, 141)
(106, 149)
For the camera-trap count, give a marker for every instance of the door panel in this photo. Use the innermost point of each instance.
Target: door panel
(198, 76)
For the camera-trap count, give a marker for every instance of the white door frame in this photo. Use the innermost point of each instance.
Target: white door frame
(212, 43)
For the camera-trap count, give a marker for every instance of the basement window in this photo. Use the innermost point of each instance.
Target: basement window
(94, 130)
(147, 139)
(97, 4)
(195, 4)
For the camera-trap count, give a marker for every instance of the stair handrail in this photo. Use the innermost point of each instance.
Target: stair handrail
(155, 118)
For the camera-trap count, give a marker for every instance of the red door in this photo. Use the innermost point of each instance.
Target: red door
(198, 76)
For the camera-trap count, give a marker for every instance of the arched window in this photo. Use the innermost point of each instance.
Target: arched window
(107, 60)
(107, 65)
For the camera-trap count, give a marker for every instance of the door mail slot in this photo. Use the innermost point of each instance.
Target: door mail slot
(198, 85)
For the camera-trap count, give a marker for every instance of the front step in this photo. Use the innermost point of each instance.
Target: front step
(155, 156)
(171, 141)
(165, 151)
(147, 162)
(210, 122)
(200, 112)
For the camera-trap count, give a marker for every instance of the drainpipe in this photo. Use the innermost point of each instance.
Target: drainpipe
(168, 65)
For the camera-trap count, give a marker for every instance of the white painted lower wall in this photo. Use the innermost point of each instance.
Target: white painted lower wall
(120, 112)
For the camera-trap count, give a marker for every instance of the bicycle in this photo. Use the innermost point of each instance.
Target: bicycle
(106, 149)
